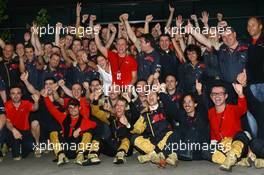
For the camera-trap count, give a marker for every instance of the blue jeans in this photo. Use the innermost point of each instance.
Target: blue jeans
(258, 91)
(252, 124)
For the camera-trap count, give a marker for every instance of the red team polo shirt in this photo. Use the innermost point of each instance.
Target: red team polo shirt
(126, 65)
(19, 117)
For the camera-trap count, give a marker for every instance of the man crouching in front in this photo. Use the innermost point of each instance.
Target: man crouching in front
(76, 132)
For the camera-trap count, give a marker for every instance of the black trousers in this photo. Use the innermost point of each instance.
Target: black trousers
(21, 147)
(108, 145)
(257, 147)
(3, 134)
(184, 148)
(69, 144)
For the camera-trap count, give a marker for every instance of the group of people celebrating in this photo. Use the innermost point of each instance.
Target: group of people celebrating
(145, 91)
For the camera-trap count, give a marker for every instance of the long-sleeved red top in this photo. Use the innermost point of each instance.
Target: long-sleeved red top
(227, 123)
(86, 123)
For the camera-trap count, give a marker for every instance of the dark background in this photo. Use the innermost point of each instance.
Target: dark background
(22, 12)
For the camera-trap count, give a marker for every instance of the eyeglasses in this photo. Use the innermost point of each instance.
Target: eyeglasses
(213, 94)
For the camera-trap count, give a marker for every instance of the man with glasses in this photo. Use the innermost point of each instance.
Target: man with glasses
(225, 126)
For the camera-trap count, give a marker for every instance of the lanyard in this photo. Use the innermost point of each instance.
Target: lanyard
(120, 65)
(221, 122)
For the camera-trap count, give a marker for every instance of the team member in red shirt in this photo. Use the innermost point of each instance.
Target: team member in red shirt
(123, 66)
(17, 112)
(226, 128)
(76, 130)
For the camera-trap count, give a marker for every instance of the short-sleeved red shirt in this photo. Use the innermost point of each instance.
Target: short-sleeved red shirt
(19, 117)
(126, 65)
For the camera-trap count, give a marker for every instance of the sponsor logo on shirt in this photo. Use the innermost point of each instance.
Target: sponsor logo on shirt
(149, 58)
(158, 117)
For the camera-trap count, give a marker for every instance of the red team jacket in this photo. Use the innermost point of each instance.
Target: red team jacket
(60, 117)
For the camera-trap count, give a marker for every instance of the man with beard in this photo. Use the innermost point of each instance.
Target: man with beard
(17, 112)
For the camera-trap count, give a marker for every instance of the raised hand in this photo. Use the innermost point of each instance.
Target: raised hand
(35, 97)
(78, 8)
(98, 27)
(156, 75)
(34, 29)
(84, 18)
(123, 120)
(86, 85)
(194, 17)
(149, 18)
(97, 93)
(59, 25)
(107, 106)
(163, 87)
(188, 27)
(85, 57)
(92, 17)
(219, 17)
(157, 26)
(76, 133)
(171, 8)
(205, 17)
(126, 96)
(242, 78)
(62, 43)
(179, 21)
(21, 54)
(112, 28)
(123, 17)
(44, 92)
(24, 76)
(198, 87)
(238, 88)
(61, 82)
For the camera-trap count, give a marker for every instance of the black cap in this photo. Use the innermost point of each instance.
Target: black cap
(74, 102)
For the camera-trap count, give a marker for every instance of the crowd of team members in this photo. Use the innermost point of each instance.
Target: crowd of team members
(191, 89)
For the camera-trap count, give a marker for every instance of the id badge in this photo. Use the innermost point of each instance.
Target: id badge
(118, 75)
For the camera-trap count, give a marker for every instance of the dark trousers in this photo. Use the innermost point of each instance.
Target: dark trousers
(21, 147)
(68, 145)
(108, 145)
(183, 148)
(3, 134)
(257, 147)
